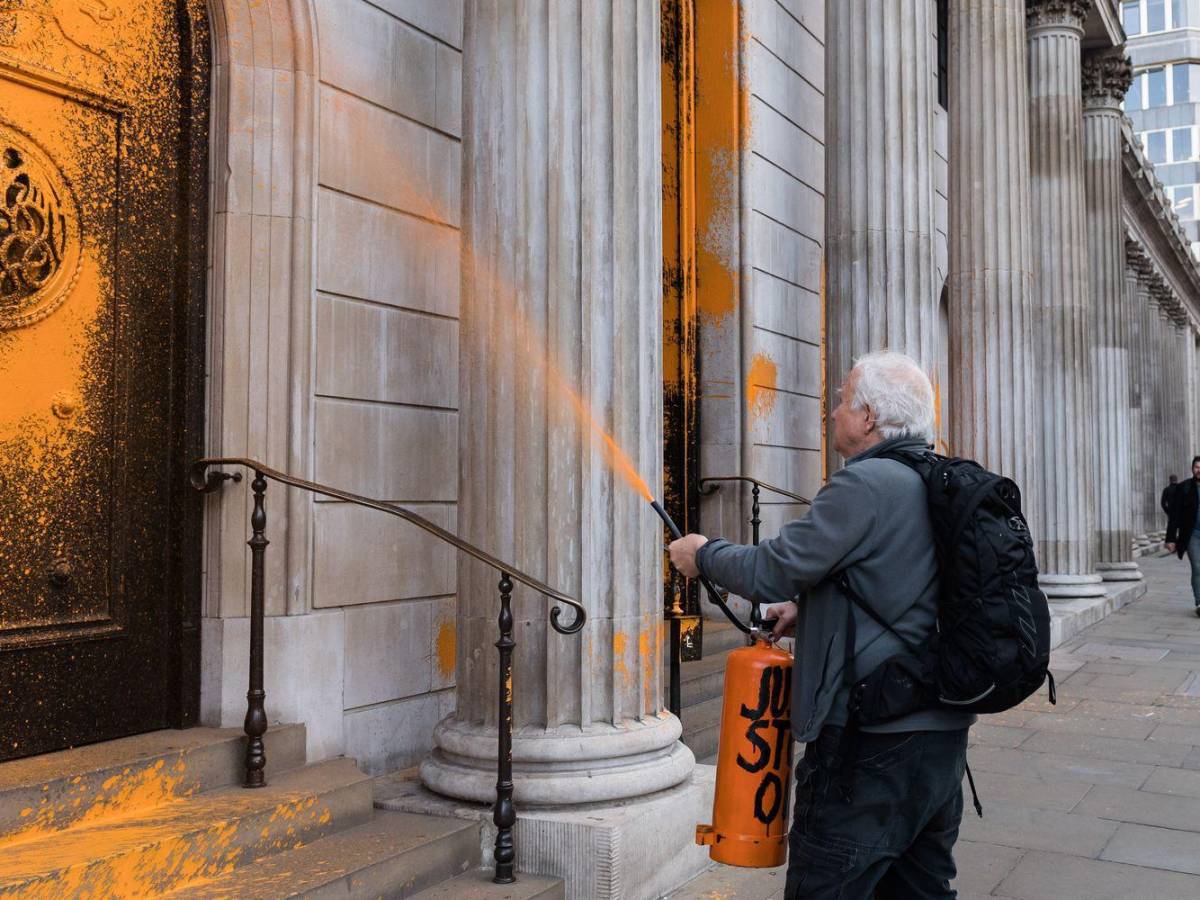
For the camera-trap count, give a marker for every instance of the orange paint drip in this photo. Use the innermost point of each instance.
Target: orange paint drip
(447, 646)
(761, 385)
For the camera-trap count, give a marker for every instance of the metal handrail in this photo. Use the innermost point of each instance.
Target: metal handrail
(206, 482)
(754, 481)
(504, 813)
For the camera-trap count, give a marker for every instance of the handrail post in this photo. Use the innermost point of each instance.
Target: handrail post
(755, 522)
(674, 698)
(504, 815)
(256, 714)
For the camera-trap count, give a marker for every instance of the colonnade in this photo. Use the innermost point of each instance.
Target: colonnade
(1069, 344)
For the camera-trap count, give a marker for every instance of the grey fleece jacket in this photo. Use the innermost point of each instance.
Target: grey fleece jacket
(871, 521)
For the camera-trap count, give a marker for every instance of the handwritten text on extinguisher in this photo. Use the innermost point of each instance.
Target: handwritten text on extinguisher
(769, 725)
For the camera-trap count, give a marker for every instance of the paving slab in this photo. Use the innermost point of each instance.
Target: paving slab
(1038, 829)
(1155, 753)
(1102, 726)
(999, 735)
(1051, 766)
(1181, 782)
(1032, 793)
(1156, 848)
(981, 867)
(1054, 876)
(1143, 807)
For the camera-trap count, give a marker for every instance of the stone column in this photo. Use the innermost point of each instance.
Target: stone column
(1147, 467)
(1156, 430)
(1063, 514)
(1137, 266)
(991, 391)
(560, 347)
(879, 215)
(1106, 77)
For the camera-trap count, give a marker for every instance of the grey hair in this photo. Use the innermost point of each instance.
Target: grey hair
(898, 391)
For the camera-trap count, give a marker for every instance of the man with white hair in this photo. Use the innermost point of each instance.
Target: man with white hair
(889, 829)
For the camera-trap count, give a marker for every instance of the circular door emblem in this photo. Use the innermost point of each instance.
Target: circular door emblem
(39, 233)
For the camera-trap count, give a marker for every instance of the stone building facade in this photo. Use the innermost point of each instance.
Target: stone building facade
(440, 235)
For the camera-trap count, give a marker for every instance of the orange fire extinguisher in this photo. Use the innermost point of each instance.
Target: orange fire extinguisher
(754, 760)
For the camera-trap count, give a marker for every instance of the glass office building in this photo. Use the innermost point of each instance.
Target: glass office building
(1162, 103)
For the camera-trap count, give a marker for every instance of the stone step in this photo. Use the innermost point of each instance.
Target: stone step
(393, 855)
(720, 636)
(702, 679)
(702, 727)
(477, 885)
(47, 793)
(152, 851)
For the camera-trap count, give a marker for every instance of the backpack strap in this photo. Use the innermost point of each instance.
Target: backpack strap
(843, 582)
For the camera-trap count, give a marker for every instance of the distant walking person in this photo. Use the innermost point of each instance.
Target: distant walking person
(1168, 492)
(1182, 534)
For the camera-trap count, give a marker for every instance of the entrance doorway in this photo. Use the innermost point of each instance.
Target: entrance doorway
(103, 161)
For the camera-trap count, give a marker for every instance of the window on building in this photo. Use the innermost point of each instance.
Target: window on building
(1156, 15)
(1131, 17)
(1181, 144)
(1183, 200)
(1133, 97)
(1181, 74)
(1177, 17)
(1156, 147)
(1156, 87)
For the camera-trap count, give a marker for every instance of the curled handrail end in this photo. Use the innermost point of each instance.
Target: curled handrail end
(576, 624)
(205, 481)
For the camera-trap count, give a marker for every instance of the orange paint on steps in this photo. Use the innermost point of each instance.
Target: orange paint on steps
(119, 796)
(153, 859)
(447, 646)
(761, 385)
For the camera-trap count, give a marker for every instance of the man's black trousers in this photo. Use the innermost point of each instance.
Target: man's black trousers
(895, 837)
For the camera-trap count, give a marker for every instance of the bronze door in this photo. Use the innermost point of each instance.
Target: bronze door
(103, 111)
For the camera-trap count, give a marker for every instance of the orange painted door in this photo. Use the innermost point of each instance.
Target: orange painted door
(98, 366)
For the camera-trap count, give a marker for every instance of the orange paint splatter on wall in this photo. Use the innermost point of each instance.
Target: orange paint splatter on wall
(761, 384)
(447, 646)
(620, 644)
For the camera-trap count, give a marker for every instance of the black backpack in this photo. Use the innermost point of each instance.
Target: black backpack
(991, 648)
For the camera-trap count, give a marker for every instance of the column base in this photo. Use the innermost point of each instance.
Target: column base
(1071, 586)
(1119, 571)
(639, 849)
(563, 766)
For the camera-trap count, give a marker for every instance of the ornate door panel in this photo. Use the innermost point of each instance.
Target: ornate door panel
(96, 183)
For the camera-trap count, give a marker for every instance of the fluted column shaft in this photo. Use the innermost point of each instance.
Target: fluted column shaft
(1135, 263)
(561, 326)
(1106, 77)
(880, 225)
(1063, 517)
(991, 387)
(1153, 476)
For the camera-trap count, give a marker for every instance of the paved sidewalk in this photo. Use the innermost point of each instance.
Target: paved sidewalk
(1096, 798)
